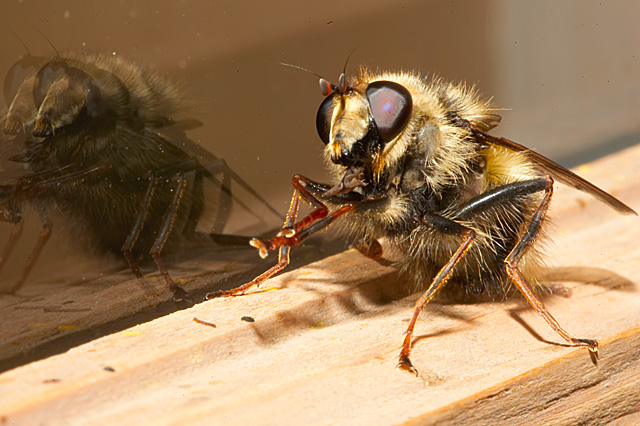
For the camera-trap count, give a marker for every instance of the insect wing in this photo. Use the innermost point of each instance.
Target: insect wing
(174, 135)
(558, 172)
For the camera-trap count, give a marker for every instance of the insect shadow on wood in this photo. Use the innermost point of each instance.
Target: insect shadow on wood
(102, 143)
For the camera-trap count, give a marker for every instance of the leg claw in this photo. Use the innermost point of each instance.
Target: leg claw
(592, 345)
(179, 294)
(404, 364)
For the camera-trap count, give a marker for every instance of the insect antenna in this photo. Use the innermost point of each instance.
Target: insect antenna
(326, 87)
(300, 68)
(18, 38)
(47, 39)
(342, 81)
(25, 65)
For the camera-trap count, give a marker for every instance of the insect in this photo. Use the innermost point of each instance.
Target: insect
(412, 162)
(102, 143)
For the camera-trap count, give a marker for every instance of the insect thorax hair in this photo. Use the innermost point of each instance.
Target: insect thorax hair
(434, 156)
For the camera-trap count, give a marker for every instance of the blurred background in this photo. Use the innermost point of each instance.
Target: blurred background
(565, 72)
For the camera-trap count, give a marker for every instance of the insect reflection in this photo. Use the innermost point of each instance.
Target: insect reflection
(102, 143)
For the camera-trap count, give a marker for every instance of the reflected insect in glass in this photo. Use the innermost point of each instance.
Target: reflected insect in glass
(412, 162)
(103, 145)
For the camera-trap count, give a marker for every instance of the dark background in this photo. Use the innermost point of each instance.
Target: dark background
(565, 72)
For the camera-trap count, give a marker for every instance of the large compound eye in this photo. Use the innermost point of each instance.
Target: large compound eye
(18, 73)
(47, 75)
(390, 105)
(323, 119)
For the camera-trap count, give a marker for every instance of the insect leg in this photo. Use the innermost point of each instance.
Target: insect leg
(503, 194)
(196, 198)
(154, 177)
(29, 186)
(234, 176)
(225, 201)
(16, 232)
(168, 220)
(197, 205)
(511, 266)
(449, 227)
(226, 197)
(14, 236)
(283, 256)
(11, 213)
(220, 166)
(45, 233)
(127, 247)
(294, 234)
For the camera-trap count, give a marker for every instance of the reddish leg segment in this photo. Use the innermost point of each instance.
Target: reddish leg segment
(404, 363)
(292, 234)
(511, 265)
(476, 206)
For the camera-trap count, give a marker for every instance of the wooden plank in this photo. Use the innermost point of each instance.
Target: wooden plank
(323, 346)
(44, 313)
(49, 318)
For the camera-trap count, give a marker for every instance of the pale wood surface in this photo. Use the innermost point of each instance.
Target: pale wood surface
(45, 314)
(324, 345)
(47, 318)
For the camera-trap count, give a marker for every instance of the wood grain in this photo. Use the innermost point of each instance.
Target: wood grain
(323, 347)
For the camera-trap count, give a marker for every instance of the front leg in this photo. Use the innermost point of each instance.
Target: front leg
(292, 234)
(283, 257)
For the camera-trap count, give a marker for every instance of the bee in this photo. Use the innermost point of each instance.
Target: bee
(102, 143)
(412, 162)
